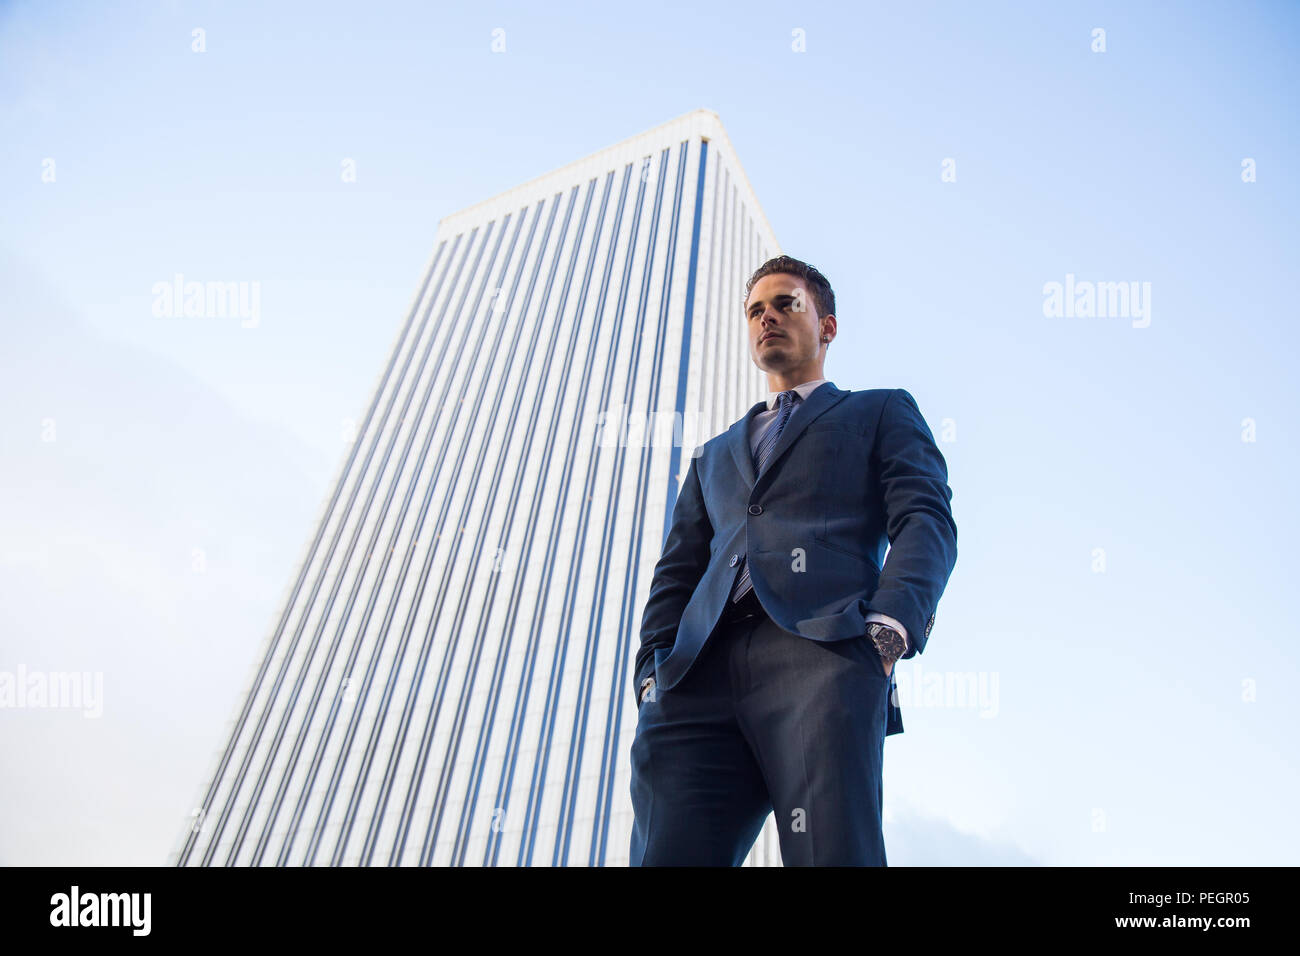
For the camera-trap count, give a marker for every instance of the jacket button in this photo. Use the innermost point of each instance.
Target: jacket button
(756, 509)
(734, 559)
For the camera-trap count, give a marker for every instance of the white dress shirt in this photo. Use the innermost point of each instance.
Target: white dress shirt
(756, 427)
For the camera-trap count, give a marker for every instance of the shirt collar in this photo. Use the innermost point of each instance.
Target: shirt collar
(804, 391)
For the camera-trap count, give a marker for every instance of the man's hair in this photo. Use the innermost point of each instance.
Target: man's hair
(816, 283)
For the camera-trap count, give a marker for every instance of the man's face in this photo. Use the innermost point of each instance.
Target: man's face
(784, 328)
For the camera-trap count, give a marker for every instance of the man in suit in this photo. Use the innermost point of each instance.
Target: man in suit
(764, 678)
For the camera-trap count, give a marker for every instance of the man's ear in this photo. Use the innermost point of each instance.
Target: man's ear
(828, 327)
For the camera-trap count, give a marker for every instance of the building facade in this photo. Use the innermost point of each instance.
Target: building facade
(449, 682)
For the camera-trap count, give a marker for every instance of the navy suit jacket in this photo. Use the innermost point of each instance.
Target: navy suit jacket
(852, 473)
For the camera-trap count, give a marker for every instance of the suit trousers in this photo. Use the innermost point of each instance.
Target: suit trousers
(765, 721)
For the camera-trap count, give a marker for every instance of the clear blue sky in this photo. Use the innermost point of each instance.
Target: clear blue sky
(1119, 694)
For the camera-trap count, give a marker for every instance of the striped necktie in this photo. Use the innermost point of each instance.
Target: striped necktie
(762, 455)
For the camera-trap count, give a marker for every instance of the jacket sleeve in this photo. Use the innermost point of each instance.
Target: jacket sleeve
(918, 520)
(685, 559)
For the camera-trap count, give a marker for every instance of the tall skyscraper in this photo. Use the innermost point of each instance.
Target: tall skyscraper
(450, 680)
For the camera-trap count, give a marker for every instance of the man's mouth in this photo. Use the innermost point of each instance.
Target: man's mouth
(768, 335)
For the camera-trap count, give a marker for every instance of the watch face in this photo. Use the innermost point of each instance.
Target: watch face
(887, 640)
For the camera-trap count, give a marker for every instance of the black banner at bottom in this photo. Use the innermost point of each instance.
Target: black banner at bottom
(338, 905)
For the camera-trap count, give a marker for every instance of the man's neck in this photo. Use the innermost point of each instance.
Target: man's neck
(785, 382)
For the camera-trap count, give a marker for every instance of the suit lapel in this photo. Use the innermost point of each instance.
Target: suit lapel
(738, 442)
(805, 413)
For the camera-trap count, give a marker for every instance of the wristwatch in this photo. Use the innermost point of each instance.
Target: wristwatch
(889, 643)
